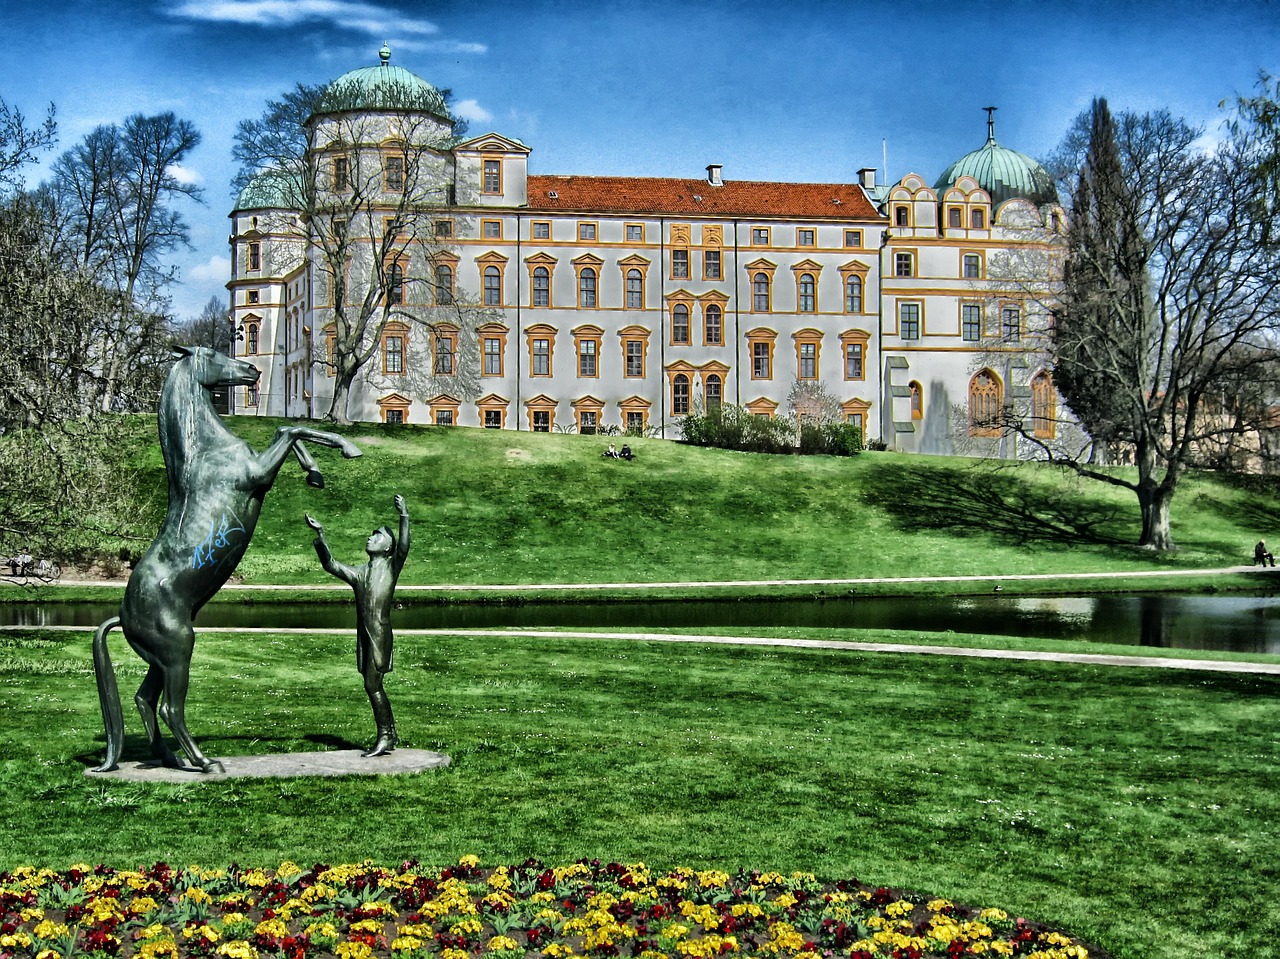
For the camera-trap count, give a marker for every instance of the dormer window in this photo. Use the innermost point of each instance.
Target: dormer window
(492, 182)
(901, 216)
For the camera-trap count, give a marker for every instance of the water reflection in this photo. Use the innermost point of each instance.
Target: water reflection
(1240, 623)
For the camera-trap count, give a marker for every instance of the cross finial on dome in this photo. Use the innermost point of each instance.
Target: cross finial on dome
(384, 54)
(991, 123)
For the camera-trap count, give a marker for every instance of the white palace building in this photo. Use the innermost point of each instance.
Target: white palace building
(580, 303)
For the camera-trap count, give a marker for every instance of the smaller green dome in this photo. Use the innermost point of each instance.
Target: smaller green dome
(1002, 172)
(382, 88)
(269, 190)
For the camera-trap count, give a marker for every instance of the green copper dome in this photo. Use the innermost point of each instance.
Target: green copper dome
(1003, 173)
(382, 88)
(269, 190)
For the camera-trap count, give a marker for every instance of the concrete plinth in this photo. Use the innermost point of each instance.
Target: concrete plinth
(344, 762)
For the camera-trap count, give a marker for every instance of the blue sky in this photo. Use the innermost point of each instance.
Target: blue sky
(806, 90)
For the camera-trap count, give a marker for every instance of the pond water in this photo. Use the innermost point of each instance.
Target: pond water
(1236, 622)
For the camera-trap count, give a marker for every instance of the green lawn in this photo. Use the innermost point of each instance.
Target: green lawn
(505, 507)
(1137, 808)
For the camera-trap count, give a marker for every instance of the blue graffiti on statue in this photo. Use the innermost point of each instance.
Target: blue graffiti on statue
(222, 537)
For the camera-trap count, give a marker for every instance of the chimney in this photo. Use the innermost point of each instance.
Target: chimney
(713, 174)
(867, 177)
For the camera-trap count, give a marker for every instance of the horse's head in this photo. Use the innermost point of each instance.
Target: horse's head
(212, 368)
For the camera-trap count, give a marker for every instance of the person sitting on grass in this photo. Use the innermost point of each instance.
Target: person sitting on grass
(611, 452)
(1262, 555)
(626, 453)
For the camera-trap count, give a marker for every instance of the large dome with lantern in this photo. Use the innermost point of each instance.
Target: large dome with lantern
(384, 88)
(1002, 172)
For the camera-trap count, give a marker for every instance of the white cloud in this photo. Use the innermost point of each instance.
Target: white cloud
(185, 175)
(349, 14)
(216, 269)
(471, 110)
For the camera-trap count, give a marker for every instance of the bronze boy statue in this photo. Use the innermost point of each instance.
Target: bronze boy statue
(374, 584)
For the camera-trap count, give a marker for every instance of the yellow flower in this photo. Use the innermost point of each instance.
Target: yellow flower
(155, 948)
(499, 879)
(367, 925)
(500, 943)
(353, 950)
(273, 928)
(15, 939)
(556, 950)
(470, 861)
(46, 954)
(48, 929)
(899, 908)
(452, 953)
(255, 879)
(207, 933)
(786, 900)
(287, 870)
(707, 947)
(713, 879)
(1002, 946)
(317, 892)
(406, 943)
(321, 930)
(196, 894)
(139, 906)
(238, 949)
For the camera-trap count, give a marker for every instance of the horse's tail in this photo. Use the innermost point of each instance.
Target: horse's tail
(108, 696)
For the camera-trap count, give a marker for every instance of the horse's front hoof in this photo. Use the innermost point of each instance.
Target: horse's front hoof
(213, 767)
(351, 451)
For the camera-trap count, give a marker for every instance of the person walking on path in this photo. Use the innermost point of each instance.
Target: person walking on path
(374, 585)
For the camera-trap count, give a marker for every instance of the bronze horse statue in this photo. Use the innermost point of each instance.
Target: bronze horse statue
(216, 487)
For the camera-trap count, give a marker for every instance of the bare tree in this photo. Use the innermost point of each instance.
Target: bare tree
(210, 327)
(20, 144)
(370, 189)
(1169, 306)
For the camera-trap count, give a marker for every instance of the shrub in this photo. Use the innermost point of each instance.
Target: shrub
(734, 428)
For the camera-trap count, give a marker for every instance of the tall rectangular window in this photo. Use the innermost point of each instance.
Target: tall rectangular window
(255, 256)
(971, 322)
(541, 357)
(711, 265)
(341, 179)
(444, 355)
(853, 361)
(680, 264)
(492, 176)
(760, 364)
(635, 358)
(587, 358)
(909, 321)
(808, 361)
(492, 356)
(972, 265)
(1011, 323)
(393, 354)
(393, 171)
(903, 264)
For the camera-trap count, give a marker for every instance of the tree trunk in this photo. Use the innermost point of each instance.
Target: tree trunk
(1155, 500)
(341, 396)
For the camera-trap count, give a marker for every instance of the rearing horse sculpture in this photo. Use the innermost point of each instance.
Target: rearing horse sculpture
(216, 487)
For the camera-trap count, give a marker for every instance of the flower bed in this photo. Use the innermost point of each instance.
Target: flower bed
(463, 911)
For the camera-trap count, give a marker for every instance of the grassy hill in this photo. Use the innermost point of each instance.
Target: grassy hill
(516, 507)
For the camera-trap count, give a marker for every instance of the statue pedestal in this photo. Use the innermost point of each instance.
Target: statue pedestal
(345, 762)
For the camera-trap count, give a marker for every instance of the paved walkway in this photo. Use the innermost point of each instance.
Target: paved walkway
(850, 581)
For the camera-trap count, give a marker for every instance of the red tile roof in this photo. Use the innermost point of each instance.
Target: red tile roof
(668, 196)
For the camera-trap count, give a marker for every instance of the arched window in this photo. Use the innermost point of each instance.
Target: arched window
(251, 338)
(807, 295)
(680, 394)
(1043, 406)
(492, 286)
(984, 404)
(760, 288)
(395, 284)
(587, 288)
(541, 286)
(635, 290)
(917, 401)
(853, 294)
(444, 284)
(712, 325)
(680, 324)
(713, 390)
